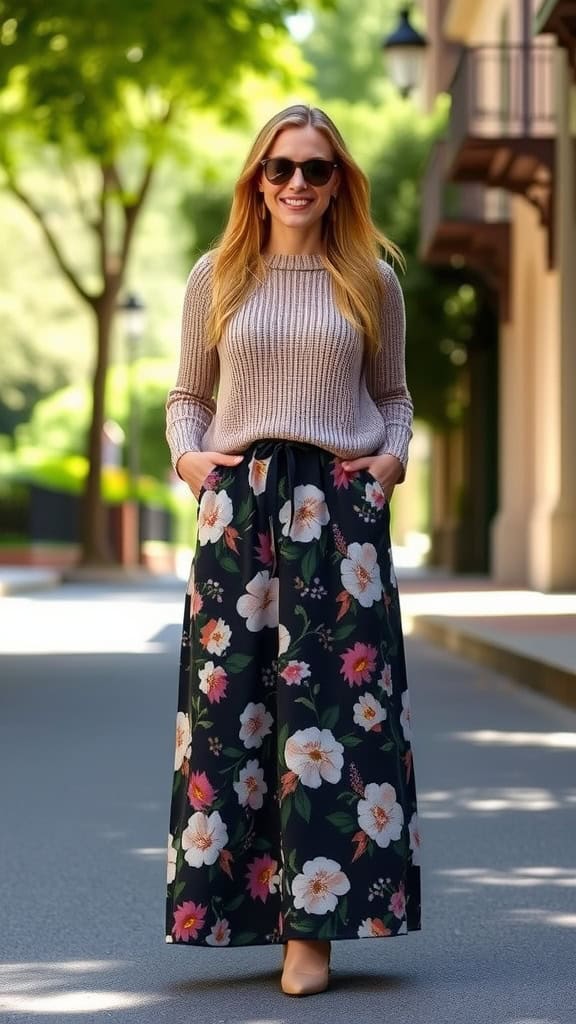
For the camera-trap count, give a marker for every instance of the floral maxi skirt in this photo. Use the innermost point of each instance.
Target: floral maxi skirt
(293, 808)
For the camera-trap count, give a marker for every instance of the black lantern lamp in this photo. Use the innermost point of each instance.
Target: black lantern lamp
(405, 53)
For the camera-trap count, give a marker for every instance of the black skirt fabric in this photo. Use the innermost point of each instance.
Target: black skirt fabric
(293, 808)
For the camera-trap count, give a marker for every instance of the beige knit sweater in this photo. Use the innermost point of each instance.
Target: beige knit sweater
(289, 365)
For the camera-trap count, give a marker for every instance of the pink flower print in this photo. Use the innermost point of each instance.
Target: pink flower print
(375, 495)
(219, 933)
(398, 903)
(201, 792)
(196, 603)
(213, 681)
(211, 481)
(264, 549)
(358, 663)
(189, 919)
(340, 476)
(262, 877)
(295, 672)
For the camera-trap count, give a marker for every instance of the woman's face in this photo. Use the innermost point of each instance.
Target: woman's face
(296, 204)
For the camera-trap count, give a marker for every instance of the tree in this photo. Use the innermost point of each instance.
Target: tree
(98, 96)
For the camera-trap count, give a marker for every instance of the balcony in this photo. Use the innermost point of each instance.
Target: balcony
(559, 18)
(502, 122)
(465, 225)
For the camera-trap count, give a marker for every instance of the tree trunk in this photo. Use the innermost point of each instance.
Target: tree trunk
(96, 548)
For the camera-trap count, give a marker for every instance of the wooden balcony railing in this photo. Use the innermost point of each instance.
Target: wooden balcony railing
(503, 93)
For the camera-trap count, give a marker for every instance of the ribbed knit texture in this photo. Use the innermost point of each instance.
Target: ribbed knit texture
(289, 365)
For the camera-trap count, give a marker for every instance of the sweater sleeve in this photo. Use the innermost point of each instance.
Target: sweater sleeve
(386, 372)
(190, 405)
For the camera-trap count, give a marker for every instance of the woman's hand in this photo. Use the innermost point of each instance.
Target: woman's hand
(194, 467)
(386, 469)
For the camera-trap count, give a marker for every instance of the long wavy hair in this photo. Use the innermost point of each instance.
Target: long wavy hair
(352, 240)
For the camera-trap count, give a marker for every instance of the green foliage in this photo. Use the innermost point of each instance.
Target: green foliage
(59, 423)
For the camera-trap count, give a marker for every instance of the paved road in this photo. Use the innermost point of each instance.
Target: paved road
(86, 727)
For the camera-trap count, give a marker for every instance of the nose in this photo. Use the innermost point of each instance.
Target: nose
(297, 180)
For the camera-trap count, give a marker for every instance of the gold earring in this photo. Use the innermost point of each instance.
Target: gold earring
(262, 209)
(333, 207)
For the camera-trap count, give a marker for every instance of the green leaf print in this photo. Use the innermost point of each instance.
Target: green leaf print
(342, 821)
(302, 926)
(233, 752)
(285, 810)
(235, 903)
(329, 717)
(243, 938)
(387, 746)
(204, 723)
(292, 862)
(302, 804)
(344, 631)
(350, 741)
(342, 910)
(261, 844)
(306, 702)
(309, 563)
(327, 930)
(237, 662)
(179, 890)
(243, 511)
(228, 563)
(290, 552)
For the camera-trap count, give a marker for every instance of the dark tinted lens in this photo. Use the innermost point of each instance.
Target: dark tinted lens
(317, 172)
(279, 169)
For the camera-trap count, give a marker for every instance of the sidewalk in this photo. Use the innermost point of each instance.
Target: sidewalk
(22, 579)
(524, 634)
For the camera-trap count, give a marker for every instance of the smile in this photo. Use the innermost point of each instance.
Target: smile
(296, 204)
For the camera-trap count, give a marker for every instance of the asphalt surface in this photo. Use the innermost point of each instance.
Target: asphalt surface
(87, 708)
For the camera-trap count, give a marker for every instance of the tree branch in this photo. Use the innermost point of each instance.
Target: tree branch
(53, 245)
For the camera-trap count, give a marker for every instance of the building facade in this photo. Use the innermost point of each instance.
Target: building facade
(500, 197)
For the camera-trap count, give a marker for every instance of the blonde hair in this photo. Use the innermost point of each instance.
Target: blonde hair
(352, 239)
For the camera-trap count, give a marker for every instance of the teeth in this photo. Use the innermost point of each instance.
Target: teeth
(296, 202)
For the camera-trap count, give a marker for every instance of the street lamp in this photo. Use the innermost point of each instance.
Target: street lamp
(133, 312)
(405, 53)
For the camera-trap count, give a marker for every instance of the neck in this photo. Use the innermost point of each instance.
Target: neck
(293, 243)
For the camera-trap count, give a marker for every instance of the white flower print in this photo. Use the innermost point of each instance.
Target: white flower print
(368, 712)
(309, 516)
(257, 473)
(219, 933)
(251, 786)
(319, 885)
(405, 720)
(219, 638)
(379, 815)
(259, 606)
(372, 928)
(375, 495)
(403, 929)
(360, 573)
(415, 839)
(256, 723)
(314, 754)
(385, 680)
(283, 639)
(203, 838)
(171, 869)
(183, 739)
(214, 515)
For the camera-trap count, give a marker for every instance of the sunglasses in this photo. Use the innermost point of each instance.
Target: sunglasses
(279, 170)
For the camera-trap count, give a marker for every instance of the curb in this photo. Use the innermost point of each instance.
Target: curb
(550, 680)
(14, 584)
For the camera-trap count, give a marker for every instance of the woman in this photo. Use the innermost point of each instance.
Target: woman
(294, 808)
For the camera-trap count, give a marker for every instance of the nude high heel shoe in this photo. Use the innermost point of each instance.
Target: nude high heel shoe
(306, 967)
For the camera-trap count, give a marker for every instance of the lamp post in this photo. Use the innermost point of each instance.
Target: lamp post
(405, 52)
(134, 315)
